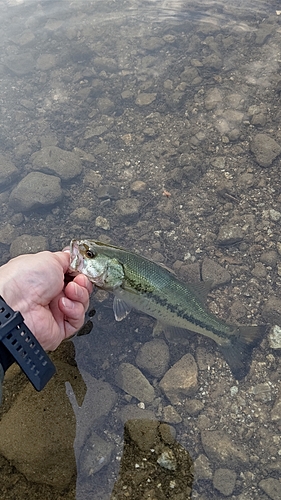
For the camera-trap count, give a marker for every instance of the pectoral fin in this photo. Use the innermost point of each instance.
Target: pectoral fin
(120, 308)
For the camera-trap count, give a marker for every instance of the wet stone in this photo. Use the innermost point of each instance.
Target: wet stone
(138, 187)
(180, 380)
(21, 64)
(224, 481)
(212, 271)
(46, 62)
(145, 98)
(230, 235)
(212, 99)
(82, 214)
(127, 209)
(95, 454)
(133, 412)
(265, 149)
(259, 271)
(193, 407)
(262, 392)
(102, 222)
(8, 233)
(272, 487)
(105, 105)
(131, 380)
(274, 337)
(276, 410)
(272, 311)
(170, 415)
(269, 258)
(8, 171)
(28, 244)
(154, 357)
(202, 468)
(57, 161)
(34, 191)
(220, 449)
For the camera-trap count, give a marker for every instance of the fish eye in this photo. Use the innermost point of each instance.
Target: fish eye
(90, 253)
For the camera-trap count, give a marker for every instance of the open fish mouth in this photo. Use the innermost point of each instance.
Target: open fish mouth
(76, 259)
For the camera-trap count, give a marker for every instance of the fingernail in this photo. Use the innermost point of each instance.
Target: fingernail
(78, 291)
(67, 303)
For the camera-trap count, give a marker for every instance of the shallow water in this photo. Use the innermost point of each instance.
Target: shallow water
(170, 113)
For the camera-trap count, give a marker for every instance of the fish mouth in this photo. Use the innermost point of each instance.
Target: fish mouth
(76, 260)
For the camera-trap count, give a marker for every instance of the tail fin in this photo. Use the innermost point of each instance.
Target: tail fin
(238, 353)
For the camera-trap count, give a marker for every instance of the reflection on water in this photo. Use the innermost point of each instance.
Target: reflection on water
(153, 125)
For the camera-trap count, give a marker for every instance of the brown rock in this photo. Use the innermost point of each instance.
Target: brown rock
(181, 380)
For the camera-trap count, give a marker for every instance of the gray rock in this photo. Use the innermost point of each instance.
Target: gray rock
(275, 415)
(131, 380)
(212, 271)
(170, 415)
(8, 171)
(57, 161)
(36, 190)
(154, 357)
(202, 467)
(133, 412)
(220, 449)
(181, 380)
(127, 209)
(224, 481)
(230, 235)
(272, 487)
(8, 233)
(105, 105)
(20, 64)
(265, 149)
(81, 214)
(46, 62)
(28, 244)
(262, 392)
(274, 337)
(212, 99)
(193, 407)
(259, 271)
(269, 258)
(145, 98)
(152, 43)
(95, 455)
(272, 311)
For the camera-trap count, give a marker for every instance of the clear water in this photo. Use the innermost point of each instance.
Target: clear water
(160, 103)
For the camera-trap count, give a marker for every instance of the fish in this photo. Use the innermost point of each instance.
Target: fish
(140, 283)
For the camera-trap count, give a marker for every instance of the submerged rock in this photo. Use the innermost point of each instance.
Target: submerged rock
(265, 149)
(36, 190)
(181, 380)
(131, 380)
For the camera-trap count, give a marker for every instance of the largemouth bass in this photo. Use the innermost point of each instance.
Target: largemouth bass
(141, 283)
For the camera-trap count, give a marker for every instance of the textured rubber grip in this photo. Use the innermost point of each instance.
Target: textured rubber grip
(24, 347)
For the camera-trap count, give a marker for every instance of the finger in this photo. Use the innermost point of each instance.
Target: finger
(64, 260)
(74, 314)
(82, 280)
(77, 293)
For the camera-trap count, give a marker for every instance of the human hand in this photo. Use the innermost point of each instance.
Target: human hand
(34, 285)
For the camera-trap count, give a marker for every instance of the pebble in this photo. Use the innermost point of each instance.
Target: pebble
(57, 161)
(170, 415)
(202, 468)
(224, 481)
(275, 415)
(35, 190)
(154, 357)
(102, 222)
(265, 149)
(213, 272)
(220, 449)
(8, 171)
(131, 380)
(82, 214)
(274, 337)
(180, 380)
(8, 233)
(127, 209)
(145, 98)
(193, 407)
(95, 454)
(269, 258)
(28, 244)
(230, 235)
(272, 311)
(272, 487)
(138, 187)
(143, 432)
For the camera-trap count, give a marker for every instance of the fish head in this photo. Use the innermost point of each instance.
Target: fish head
(87, 257)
